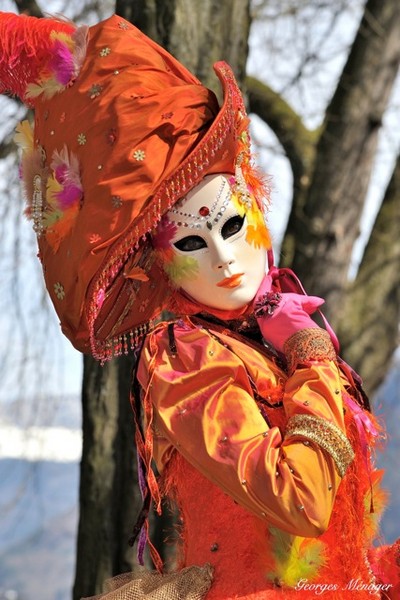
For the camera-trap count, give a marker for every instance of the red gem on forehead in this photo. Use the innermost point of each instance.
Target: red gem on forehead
(204, 211)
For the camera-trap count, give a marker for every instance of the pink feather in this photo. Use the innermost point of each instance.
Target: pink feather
(66, 166)
(165, 233)
(80, 37)
(61, 173)
(69, 196)
(66, 172)
(62, 63)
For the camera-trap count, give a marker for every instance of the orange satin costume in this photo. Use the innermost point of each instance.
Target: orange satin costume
(268, 510)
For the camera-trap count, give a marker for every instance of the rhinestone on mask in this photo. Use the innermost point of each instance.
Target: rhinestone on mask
(204, 212)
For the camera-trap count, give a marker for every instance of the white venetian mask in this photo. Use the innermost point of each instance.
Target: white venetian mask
(214, 246)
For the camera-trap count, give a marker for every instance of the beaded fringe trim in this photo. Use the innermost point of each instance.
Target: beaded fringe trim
(123, 343)
(327, 435)
(308, 344)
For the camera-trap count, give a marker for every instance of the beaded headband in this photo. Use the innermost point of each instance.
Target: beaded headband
(205, 217)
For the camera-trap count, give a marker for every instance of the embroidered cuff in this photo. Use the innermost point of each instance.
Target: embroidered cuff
(308, 344)
(327, 435)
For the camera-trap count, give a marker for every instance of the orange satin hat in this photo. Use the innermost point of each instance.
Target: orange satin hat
(122, 131)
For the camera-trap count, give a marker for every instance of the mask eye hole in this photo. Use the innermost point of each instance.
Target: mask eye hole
(232, 226)
(190, 243)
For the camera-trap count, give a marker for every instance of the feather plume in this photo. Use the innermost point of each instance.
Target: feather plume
(296, 557)
(61, 228)
(136, 273)
(258, 236)
(53, 188)
(257, 233)
(259, 185)
(51, 217)
(165, 232)
(24, 136)
(63, 197)
(239, 206)
(69, 196)
(181, 267)
(67, 165)
(66, 170)
(26, 49)
(48, 88)
(62, 63)
(52, 214)
(80, 37)
(63, 38)
(50, 67)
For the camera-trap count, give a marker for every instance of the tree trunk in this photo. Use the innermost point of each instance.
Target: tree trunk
(321, 233)
(109, 501)
(197, 33)
(369, 329)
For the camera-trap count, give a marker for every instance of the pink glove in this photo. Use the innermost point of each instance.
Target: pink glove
(280, 315)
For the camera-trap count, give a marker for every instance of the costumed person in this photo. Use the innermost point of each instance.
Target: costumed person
(144, 198)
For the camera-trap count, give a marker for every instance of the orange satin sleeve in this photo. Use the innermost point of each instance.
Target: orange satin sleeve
(204, 406)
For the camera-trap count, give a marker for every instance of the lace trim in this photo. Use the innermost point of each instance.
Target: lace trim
(191, 583)
(308, 344)
(327, 435)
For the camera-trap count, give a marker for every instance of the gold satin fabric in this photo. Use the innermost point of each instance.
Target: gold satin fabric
(204, 406)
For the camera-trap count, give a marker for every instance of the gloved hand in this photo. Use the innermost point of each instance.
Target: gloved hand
(280, 315)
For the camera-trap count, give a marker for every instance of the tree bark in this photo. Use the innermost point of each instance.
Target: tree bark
(368, 330)
(108, 501)
(320, 234)
(298, 142)
(197, 33)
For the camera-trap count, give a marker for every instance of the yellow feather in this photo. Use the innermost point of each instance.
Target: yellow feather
(24, 136)
(238, 205)
(34, 90)
(181, 267)
(296, 557)
(53, 187)
(51, 216)
(64, 37)
(48, 88)
(257, 232)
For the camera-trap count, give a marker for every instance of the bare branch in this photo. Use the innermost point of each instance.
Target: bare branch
(297, 141)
